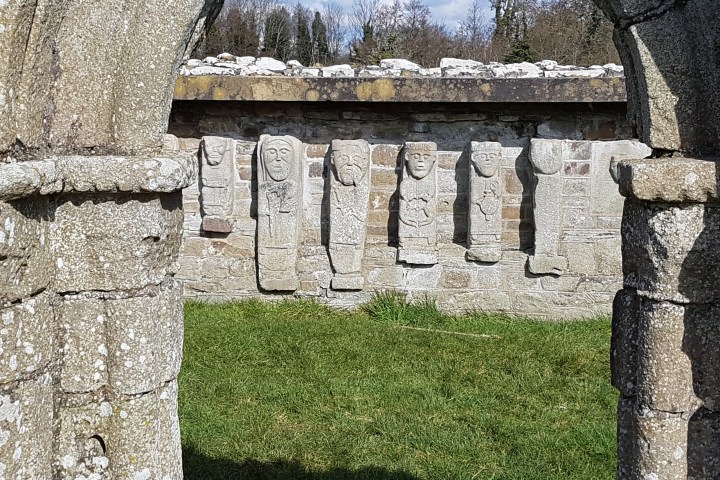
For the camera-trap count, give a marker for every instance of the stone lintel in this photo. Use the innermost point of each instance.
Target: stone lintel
(671, 180)
(480, 90)
(107, 174)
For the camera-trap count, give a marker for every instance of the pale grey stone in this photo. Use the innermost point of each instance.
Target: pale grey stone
(26, 264)
(517, 70)
(19, 180)
(171, 143)
(126, 244)
(418, 204)
(349, 197)
(338, 71)
(485, 211)
(399, 64)
(26, 429)
(280, 193)
(27, 337)
(458, 62)
(217, 182)
(546, 158)
(605, 198)
(580, 72)
(267, 63)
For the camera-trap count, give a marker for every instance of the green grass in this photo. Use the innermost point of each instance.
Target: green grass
(396, 391)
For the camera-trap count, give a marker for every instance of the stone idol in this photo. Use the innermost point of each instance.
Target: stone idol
(484, 218)
(418, 204)
(279, 211)
(546, 158)
(349, 198)
(217, 183)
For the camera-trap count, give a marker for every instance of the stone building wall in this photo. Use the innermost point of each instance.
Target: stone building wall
(218, 266)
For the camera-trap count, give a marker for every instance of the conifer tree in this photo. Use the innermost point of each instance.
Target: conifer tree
(321, 50)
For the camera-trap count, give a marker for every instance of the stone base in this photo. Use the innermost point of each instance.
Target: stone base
(280, 284)
(417, 257)
(216, 224)
(547, 264)
(347, 282)
(484, 253)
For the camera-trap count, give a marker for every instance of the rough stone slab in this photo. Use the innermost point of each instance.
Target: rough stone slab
(664, 369)
(25, 259)
(217, 224)
(130, 437)
(129, 241)
(295, 89)
(217, 180)
(547, 264)
(669, 251)
(145, 338)
(26, 429)
(27, 337)
(485, 210)
(115, 62)
(347, 282)
(96, 174)
(623, 343)
(84, 364)
(671, 180)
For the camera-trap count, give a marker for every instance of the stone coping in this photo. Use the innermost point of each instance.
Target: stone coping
(77, 174)
(672, 180)
(421, 90)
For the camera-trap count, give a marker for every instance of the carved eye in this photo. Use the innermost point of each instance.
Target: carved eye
(284, 151)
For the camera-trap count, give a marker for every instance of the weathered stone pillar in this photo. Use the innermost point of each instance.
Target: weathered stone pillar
(90, 228)
(666, 333)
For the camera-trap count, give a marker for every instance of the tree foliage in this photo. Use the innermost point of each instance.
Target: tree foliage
(568, 31)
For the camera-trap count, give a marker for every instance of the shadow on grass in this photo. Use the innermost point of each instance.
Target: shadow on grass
(197, 466)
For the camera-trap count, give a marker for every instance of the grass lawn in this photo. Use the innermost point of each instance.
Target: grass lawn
(297, 390)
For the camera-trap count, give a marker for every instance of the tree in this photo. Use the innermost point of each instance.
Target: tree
(335, 25)
(320, 48)
(277, 41)
(471, 37)
(303, 42)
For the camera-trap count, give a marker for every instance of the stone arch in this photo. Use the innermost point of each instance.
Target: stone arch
(90, 222)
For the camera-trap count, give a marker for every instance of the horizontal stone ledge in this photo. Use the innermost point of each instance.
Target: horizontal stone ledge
(671, 180)
(422, 90)
(77, 174)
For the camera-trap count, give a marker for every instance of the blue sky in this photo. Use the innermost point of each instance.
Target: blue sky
(449, 11)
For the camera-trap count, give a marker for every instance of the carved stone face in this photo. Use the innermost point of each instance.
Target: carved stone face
(277, 156)
(486, 162)
(350, 165)
(420, 162)
(214, 152)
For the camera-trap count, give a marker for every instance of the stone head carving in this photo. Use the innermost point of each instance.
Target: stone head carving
(351, 160)
(420, 158)
(546, 156)
(277, 155)
(214, 149)
(485, 157)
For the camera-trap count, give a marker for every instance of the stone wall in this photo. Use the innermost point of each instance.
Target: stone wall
(217, 266)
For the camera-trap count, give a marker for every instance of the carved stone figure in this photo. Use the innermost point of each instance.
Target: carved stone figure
(279, 211)
(418, 204)
(217, 186)
(484, 219)
(546, 159)
(349, 197)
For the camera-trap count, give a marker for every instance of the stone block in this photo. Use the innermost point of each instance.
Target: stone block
(481, 301)
(701, 342)
(384, 179)
(144, 339)
(577, 187)
(547, 264)
(580, 257)
(672, 180)
(26, 429)
(100, 438)
(25, 262)
(667, 251)
(386, 277)
(27, 337)
(455, 278)
(129, 241)
(703, 443)
(84, 344)
(217, 224)
(486, 192)
(316, 150)
(608, 256)
(423, 278)
(623, 343)
(576, 169)
(347, 282)
(665, 372)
